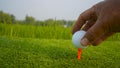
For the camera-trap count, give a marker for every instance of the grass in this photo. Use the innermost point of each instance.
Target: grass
(40, 32)
(30, 31)
(53, 53)
(28, 46)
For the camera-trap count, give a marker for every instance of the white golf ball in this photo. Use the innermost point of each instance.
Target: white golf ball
(77, 36)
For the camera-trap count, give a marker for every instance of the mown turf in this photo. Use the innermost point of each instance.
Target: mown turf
(52, 53)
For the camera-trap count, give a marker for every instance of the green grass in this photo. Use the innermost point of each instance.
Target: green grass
(30, 31)
(52, 53)
(40, 32)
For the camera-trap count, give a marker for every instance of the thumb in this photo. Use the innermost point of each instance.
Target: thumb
(94, 33)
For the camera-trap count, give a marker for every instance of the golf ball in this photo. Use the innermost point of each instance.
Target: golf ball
(77, 36)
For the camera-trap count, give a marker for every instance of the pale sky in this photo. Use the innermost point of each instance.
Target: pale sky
(46, 9)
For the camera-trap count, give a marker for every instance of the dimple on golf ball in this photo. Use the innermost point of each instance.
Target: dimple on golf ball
(77, 36)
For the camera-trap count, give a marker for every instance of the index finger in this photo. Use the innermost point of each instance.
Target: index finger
(87, 15)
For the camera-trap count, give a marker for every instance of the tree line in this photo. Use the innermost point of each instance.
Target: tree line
(30, 20)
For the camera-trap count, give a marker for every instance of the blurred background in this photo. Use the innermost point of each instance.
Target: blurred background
(49, 19)
(46, 9)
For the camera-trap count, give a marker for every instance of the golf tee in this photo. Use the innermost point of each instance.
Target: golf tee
(79, 53)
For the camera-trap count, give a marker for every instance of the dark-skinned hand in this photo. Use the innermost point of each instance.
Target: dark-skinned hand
(100, 22)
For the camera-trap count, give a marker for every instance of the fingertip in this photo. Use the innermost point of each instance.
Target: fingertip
(85, 42)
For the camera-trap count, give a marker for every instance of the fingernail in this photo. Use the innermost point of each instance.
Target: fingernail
(85, 42)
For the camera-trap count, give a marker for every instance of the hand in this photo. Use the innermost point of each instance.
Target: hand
(100, 21)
